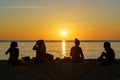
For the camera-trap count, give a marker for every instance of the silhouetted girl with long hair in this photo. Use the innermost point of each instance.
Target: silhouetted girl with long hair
(40, 51)
(14, 53)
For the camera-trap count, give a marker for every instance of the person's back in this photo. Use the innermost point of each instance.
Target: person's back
(14, 53)
(76, 52)
(109, 55)
(40, 51)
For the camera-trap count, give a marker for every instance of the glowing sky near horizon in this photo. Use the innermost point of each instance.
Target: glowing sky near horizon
(46, 19)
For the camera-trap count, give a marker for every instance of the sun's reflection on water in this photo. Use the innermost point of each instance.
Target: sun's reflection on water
(63, 49)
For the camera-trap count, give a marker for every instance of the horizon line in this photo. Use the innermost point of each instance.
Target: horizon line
(60, 40)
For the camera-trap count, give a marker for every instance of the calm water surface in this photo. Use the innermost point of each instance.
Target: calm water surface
(91, 50)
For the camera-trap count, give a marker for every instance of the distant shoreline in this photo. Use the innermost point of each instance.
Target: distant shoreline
(60, 40)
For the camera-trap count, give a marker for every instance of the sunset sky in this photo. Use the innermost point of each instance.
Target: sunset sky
(59, 19)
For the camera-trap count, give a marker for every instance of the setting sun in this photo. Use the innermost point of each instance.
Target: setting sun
(63, 33)
(59, 19)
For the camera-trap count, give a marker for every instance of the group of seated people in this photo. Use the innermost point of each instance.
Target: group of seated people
(76, 53)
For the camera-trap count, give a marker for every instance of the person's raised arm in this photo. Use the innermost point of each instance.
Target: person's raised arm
(71, 52)
(82, 56)
(34, 47)
(7, 51)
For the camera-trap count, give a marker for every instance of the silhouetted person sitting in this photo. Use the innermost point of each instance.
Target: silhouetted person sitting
(76, 52)
(14, 53)
(109, 55)
(41, 54)
(40, 51)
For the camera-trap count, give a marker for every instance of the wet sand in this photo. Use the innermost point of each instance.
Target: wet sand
(57, 70)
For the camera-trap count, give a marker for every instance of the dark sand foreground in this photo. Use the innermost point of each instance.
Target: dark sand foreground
(57, 70)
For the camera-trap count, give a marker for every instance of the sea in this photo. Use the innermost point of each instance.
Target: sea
(60, 48)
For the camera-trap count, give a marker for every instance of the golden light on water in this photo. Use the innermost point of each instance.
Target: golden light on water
(63, 49)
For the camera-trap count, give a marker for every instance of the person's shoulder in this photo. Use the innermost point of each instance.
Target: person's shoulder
(79, 47)
(73, 47)
(112, 50)
(17, 48)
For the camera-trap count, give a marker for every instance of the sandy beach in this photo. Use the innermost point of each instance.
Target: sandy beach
(57, 70)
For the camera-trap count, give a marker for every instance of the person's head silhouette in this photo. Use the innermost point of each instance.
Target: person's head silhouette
(77, 42)
(13, 44)
(107, 45)
(40, 42)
